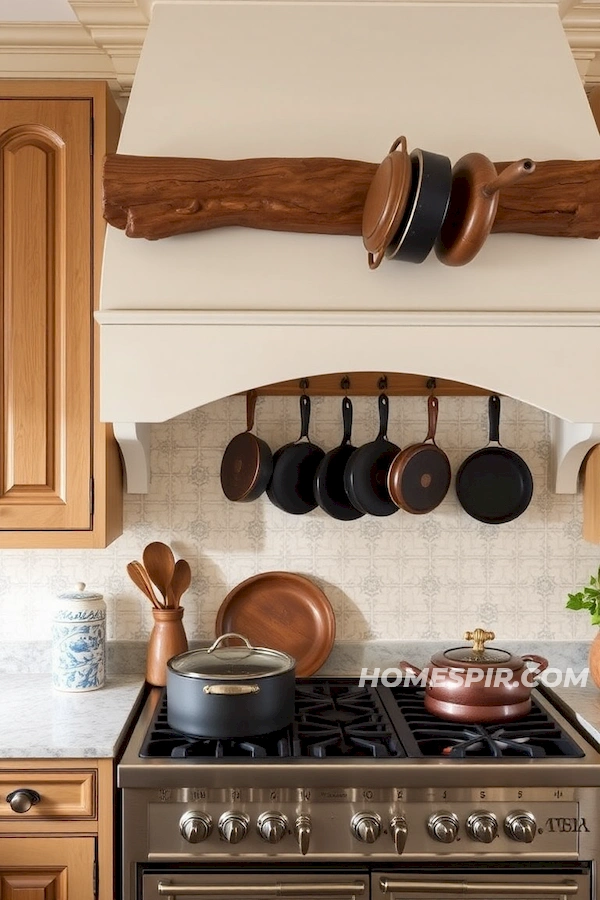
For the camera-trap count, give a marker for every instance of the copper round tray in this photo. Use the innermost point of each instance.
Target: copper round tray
(283, 611)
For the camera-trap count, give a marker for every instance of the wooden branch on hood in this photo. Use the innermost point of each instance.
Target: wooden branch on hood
(156, 197)
(561, 198)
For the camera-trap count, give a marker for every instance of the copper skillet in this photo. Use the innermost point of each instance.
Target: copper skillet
(473, 205)
(419, 476)
(247, 463)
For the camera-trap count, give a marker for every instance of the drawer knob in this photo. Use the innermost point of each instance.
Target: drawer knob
(22, 800)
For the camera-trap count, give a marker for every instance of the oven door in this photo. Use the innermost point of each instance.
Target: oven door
(525, 882)
(308, 885)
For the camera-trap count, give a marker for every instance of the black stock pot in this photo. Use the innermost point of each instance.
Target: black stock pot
(230, 691)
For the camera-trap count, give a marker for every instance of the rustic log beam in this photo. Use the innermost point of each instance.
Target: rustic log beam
(561, 198)
(155, 197)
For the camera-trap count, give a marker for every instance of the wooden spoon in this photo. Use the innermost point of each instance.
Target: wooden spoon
(182, 577)
(139, 576)
(160, 565)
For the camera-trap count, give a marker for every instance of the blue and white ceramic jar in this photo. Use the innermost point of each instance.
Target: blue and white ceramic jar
(78, 641)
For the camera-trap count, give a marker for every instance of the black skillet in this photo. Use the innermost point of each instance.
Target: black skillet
(330, 491)
(365, 475)
(247, 463)
(494, 485)
(294, 466)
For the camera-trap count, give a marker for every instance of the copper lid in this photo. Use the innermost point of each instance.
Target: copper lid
(386, 201)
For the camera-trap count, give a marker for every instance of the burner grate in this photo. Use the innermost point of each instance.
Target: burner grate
(536, 735)
(333, 719)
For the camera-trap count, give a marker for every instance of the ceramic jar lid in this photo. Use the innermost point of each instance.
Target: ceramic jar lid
(386, 201)
(80, 593)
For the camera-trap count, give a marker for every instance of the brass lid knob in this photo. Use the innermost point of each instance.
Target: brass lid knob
(479, 637)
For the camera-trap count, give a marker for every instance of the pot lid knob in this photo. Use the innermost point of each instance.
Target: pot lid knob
(479, 637)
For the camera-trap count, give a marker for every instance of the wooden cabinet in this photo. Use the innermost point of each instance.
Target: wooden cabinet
(62, 848)
(47, 868)
(60, 480)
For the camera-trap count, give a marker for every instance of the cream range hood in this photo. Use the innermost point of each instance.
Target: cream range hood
(190, 319)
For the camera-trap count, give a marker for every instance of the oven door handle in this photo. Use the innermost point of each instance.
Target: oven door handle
(333, 889)
(561, 889)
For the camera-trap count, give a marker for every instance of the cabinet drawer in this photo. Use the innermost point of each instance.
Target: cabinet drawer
(63, 794)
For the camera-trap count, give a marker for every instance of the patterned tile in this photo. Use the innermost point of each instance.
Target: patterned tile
(397, 578)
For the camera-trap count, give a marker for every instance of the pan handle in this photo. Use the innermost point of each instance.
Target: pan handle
(347, 420)
(384, 412)
(304, 416)
(250, 408)
(224, 637)
(494, 416)
(409, 668)
(432, 416)
(509, 176)
(541, 663)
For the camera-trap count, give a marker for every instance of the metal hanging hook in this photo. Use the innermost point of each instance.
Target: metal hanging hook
(345, 383)
(382, 383)
(304, 384)
(431, 384)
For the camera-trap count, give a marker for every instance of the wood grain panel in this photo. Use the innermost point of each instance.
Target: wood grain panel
(45, 314)
(47, 868)
(64, 794)
(369, 384)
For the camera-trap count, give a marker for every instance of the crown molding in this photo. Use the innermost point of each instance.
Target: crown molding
(107, 39)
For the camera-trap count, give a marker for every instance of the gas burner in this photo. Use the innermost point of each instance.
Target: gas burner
(535, 735)
(333, 719)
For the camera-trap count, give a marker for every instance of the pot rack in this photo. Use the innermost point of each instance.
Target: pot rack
(369, 384)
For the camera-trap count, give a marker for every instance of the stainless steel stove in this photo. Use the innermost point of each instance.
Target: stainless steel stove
(366, 795)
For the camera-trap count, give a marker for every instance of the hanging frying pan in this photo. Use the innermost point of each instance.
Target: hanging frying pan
(330, 490)
(494, 485)
(473, 204)
(365, 475)
(247, 463)
(294, 466)
(419, 476)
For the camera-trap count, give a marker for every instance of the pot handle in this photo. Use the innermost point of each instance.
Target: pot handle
(409, 667)
(230, 634)
(541, 663)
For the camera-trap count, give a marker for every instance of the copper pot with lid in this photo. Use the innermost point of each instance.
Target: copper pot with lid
(478, 683)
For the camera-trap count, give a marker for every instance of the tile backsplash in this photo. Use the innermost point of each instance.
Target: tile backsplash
(398, 578)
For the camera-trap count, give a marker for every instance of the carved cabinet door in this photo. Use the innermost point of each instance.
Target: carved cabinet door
(45, 314)
(47, 868)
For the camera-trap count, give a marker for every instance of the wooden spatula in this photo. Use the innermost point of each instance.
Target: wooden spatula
(160, 565)
(182, 577)
(139, 576)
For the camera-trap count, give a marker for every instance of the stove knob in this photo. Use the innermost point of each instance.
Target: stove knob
(195, 826)
(302, 829)
(366, 827)
(520, 826)
(233, 827)
(399, 833)
(443, 826)
(272, 826)
(482, 826)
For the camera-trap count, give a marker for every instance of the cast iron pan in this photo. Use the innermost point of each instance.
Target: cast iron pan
(294, 466)
(247, 463)
(365, 475)
(494, 485)
(419, 476)
(426, 209)
(330, 490)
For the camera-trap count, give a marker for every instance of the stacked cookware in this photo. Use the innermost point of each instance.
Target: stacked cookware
(418, 201)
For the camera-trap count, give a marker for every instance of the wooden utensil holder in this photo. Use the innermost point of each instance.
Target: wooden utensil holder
(166, 640)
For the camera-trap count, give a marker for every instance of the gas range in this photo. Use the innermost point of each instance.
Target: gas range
(364, 777)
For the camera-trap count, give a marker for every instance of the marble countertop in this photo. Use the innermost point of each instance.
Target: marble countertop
(585, 704)
(40, 722)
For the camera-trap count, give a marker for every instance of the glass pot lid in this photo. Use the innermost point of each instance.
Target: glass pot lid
(479, 654)
(232, 663)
